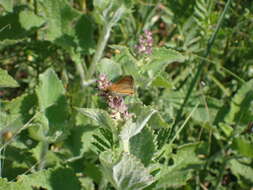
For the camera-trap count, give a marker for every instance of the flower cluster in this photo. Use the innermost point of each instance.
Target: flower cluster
(145, 43)
(116, 103)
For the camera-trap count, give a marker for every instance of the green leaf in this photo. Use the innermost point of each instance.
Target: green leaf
(98, 115)
(243, 146)
(52, 179)
(6, 80)
(29, 20)
(240, 105)
(131, 129)
(142, 146)
(7, 5)
(15, 113)
(52, 120)
(126, 61)
(160, 58)
(50, 89)
(185, 161)
(10, 26)
(174, 179)
(59, 16)
(241, 170)
(81, 139)
(161, 82)
(4, 184)
(110, 68)
(84, 34)
(127, 174)
(157, 122)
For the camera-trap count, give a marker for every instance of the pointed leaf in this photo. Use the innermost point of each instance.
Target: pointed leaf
(6, 80)
(98, 115)
(125, 172)
(142, 146)
(60, 17)
(131, 129)
(160, 58)
(52, 179)
(29, 20)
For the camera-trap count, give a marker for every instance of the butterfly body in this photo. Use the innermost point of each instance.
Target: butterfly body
(122, 87)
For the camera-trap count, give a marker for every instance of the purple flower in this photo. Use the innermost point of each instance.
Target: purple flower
(116, 103)
(145, 43)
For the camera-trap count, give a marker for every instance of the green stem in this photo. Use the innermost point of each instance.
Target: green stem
(43, 154)
(201, 65)
(80, 67)
(102, 41)
(104, 37)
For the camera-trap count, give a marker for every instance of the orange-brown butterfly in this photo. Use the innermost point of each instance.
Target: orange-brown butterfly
(122, 87)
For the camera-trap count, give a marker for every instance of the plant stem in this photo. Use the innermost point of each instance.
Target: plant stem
(201, 65)
(104, 37)
(43, 154)
(102, 41)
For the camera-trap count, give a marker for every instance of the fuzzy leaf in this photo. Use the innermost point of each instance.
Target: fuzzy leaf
(29, 20)
(243, 146)
(110, 68)
(4, 184)
(131, 129)
(160, 58)
(53, 107)
(6, 80)
(52, 179)
(127, 174)
(7, 4)
(59, 16)
(142, 146)
(240, 169)
(98, 115)
(240, 105)
(184, 162)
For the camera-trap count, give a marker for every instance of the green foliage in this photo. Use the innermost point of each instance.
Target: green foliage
(7, 80)
(188, 125)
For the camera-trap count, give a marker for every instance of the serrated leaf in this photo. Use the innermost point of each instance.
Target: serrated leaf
(4, 185)
(243, 146)
(125, 173)
(240, 169)
(15, 113)
(159, 59)
(29, 20)
(50, 89)
(84, 34)
(131, 129)
(161, 82)
(81, 138)
(130, 174)
(184, 162)
(53, 116)
(52, 179)
(240, 105)
(126, 61)
(110, 68)
(173, 179)
(6, 80)
(11, 27)
(98, 115)
(142, 146)
(7, 4)
(60, 17)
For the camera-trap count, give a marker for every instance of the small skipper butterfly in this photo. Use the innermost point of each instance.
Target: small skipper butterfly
(122, 87)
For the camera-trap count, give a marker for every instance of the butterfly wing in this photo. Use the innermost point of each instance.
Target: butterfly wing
(124, 86)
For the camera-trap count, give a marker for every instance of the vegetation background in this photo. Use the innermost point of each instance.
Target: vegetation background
(191, 117)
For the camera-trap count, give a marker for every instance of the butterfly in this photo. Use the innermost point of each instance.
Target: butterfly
(122, 87)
